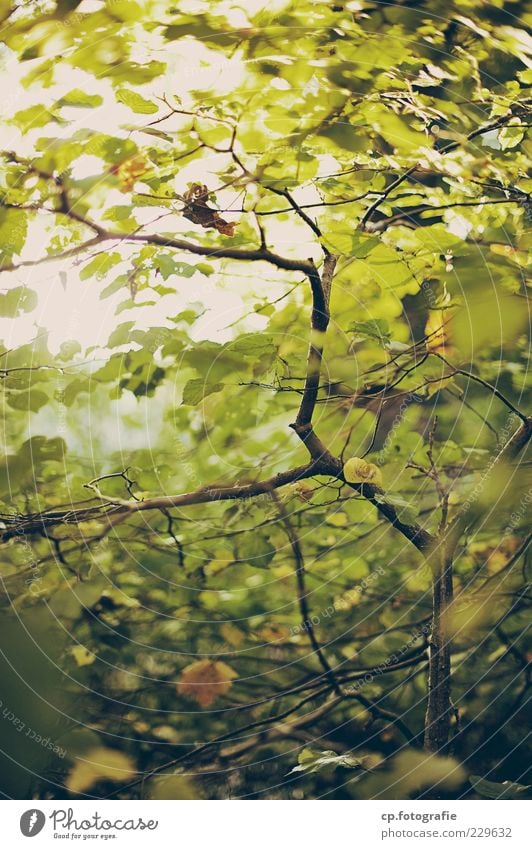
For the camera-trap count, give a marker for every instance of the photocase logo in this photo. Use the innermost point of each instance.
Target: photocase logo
(32, 822)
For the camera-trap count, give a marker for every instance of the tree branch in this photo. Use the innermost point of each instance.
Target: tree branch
(319, 321)
(306, 618)
(299, 210)
(20, 525)
(494, 125)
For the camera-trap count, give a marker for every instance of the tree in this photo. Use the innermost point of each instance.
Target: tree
(276, 521)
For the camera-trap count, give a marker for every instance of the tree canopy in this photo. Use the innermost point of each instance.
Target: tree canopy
(264, 483)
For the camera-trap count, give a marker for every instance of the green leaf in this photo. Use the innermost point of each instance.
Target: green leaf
(345, 136)
(39, 449)
(17, 301)
(253, 345)
(121, 282)
(127, 10)
(99, 266)
(78, 97)
(256, 550)
(396, 130)
(75, 387)
(13, 232)
(69, 349)
(136, 102)
(510, 136)
(525, 76)
(121, 335)
(153, 131)
(197, 389)
(496, 790)
(406, 512)
(118, 213)
(32, 400)
(312, 760)
(168, 265)
(375, 328)
(33, 117)
(362, 246)
(205, 269)
(339, 240)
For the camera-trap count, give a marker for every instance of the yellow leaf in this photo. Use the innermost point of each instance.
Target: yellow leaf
(205, 680)
(172, 787)
(99, 763)
(231, 634)
(166, 732)
(129, 171)
(348, 599)
(120, 598)
(437, 332)
(82, 655)
(357, 470)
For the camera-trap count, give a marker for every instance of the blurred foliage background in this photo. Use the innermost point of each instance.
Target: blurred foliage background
(149, 149)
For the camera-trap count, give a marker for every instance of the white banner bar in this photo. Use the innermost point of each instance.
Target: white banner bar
(266, 824)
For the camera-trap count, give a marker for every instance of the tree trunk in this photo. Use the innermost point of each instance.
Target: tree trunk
(438, 713)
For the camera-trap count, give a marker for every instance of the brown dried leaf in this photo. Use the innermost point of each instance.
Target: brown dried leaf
(199, 212)
(205, 680)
